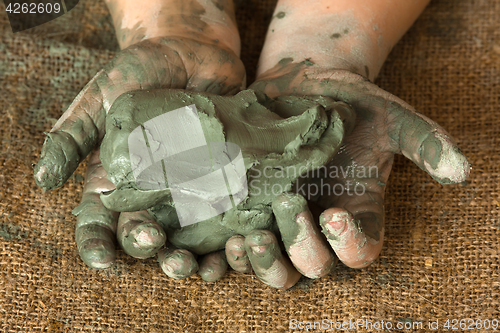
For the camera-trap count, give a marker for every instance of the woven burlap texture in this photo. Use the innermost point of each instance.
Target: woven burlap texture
(441, 255)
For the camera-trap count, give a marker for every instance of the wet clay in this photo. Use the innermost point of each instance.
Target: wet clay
(280, 140)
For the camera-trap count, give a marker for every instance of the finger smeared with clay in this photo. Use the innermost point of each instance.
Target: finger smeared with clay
(213, 266)
(139, 235)
(268, 262)
(236, 254)
(95, 224)
(345, 235)
(295, 134)
(303, 241)
(177, 263)
(397, 126)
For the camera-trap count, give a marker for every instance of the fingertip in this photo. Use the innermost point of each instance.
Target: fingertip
(177, 264)
(59, 158)
(443, 160)
(348, 239)
(236, 254)
(97, 253)
(268, 262)
(333, 221)
(306, 248)
(140, 239)
(213, 266)
(257, 240)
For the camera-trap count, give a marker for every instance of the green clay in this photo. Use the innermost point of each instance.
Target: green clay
(430, 151)
(308, 62)
(262, 261)
(177, 264)
(280, 141)
(58, 160)
(213, 266)
(95, 233)
(286, 207)
(281, 15)
(285, 61)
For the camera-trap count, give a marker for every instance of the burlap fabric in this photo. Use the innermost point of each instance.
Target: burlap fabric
(441, 255)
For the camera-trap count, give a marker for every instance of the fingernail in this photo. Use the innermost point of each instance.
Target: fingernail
(430, 151)
(258, 250)
(173, 264)
(443, 160)
(336, 225)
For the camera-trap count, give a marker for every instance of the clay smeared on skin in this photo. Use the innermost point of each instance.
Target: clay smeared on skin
(268, 262)
(400, 127)
(326, 46)
(139, 235)
(213, 266)
(95, 224)
(348, 240)
(196, 19)
(302, 133)
(236, 254)
(177, 263)
(301, 238)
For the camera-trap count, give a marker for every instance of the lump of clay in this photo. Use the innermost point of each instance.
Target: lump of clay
(158, 139)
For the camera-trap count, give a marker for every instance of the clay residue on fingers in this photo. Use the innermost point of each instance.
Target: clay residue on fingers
(213, 266)
(177, 264)
(443, 160)
(348, 240)
(59, 159)
(268, 262)
(308, 253)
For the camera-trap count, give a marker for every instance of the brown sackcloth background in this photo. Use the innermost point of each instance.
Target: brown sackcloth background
(441, 254)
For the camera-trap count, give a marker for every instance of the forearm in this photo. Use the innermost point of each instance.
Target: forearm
(203, 20)
(355, 35)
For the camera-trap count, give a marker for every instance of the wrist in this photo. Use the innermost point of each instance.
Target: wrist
(352, 35)
(203, 21)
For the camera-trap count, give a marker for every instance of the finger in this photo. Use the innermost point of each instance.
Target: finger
(237, 255)
(213, 266)
(305, 246)
(177, 263)
(75, 134)
(268, 263)
(348, 239)
(95, 224)
(139, 235)
(429, 146)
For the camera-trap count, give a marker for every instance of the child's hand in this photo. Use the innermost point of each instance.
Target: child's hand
(353, 221)
(150, 64)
